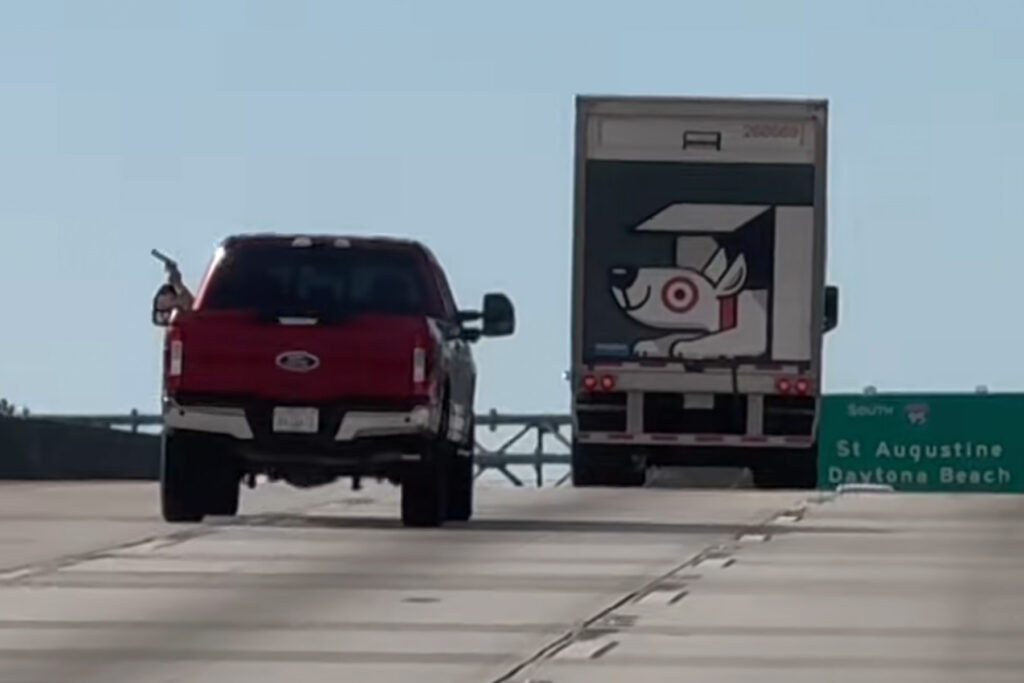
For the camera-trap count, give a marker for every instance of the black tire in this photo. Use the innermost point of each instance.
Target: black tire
(424, 489)
(197, 479)
(766, 476)
(181, 479)
(460, 489)
(609, 466)
(796, 469)
(224, 486)
(461, 479)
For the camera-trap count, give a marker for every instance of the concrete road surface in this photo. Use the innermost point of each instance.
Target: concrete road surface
(555, 585)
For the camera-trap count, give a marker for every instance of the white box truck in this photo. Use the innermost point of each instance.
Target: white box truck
(699, 301)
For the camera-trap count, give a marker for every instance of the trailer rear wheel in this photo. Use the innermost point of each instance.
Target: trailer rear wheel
(794, 469)
(600, 465)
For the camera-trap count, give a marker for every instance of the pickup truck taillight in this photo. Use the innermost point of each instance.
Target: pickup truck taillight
(174, 358)
(419, 365)
(422, 372)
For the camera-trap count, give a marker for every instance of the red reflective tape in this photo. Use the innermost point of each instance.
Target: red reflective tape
(755, 439)
(709, 438)
(621, 437)
(665, 437)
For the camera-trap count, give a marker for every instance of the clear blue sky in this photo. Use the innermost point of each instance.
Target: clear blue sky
(138, 124)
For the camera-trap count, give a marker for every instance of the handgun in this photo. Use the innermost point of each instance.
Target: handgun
(163, 258)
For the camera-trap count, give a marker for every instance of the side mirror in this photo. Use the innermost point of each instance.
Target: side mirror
(831, 307)
(164, 303)
(499, 316)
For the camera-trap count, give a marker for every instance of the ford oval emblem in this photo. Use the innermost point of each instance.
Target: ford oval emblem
(297, 361)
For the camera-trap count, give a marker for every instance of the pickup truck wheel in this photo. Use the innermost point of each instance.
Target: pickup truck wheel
(182, 491)
(460, 488)
(460, 479)
(224, 480)
(600, 465)
(424, 490)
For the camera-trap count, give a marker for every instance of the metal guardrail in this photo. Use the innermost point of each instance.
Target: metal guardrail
(540, 429)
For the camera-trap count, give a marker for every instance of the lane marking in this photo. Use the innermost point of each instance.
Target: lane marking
(15, 574)
(864, 488)
(151, 543)
(716, 562)
(663, 596)
(753, 538)
(145, 547)
(787, 519)
(587, 649)
(710, 553)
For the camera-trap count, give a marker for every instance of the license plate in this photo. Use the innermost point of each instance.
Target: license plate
(698, 401)
(297, 420)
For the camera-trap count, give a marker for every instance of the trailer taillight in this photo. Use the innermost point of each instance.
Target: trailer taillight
(593, 383)
(800, 385)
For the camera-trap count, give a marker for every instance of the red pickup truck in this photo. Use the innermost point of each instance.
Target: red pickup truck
(310, 358)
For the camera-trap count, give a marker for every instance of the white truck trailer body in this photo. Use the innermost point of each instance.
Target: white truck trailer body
(699, 297)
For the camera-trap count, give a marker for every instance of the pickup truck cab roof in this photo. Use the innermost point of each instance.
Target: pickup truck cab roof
(305, 239)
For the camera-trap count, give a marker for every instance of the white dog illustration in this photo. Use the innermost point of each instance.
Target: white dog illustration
(707, 310)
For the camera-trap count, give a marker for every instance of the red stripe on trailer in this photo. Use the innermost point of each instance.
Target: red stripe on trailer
(708, 438)
(621, 437)
(665, 437)
(755, 439)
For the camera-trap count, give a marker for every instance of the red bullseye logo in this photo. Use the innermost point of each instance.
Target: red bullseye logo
(679, 295)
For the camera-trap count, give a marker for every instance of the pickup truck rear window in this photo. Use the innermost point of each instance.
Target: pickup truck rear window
(321, 282)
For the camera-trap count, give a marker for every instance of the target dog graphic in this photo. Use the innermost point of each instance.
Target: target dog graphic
(713, 302)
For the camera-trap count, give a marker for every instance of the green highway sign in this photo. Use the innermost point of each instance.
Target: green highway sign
(938, 442)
